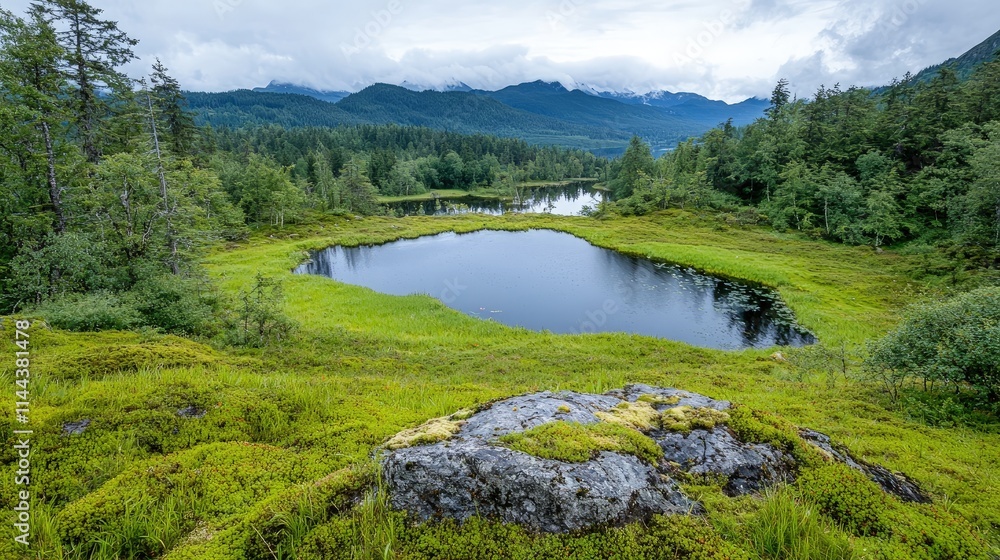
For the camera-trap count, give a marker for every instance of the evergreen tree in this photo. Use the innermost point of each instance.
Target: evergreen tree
(94, 50)
(779, 98)
(33, 111)
(169, 101)
(636, 163)
(356, 191)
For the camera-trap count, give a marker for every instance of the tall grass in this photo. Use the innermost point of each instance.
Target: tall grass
(785, 529)
(375, 527)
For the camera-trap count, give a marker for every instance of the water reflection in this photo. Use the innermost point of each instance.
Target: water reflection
(546, 280)
(559, 201)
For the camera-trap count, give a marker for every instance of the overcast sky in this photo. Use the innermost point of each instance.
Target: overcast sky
(726, 49)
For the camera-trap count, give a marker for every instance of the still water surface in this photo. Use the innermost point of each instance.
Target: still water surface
(558, 201)
(547, 280)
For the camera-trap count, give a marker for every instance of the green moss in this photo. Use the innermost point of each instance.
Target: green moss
(167, 497)
(279, 523)
(577, 443)
(674, 537)
(848, 497)
(755, 426)
(168, 352)
(861, 508)
(658, 400)
(685, 418)
(432, 431)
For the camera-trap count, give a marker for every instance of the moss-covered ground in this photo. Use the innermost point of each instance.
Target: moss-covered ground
(279, 464)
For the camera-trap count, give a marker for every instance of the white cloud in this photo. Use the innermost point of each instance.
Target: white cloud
(728, 49)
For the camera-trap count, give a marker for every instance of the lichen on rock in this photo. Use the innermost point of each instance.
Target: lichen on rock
(685, 418)
(638, 415)
(432, 431)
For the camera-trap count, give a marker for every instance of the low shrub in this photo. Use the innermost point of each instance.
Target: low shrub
(954, 342)
(97, 311)
(849, 498)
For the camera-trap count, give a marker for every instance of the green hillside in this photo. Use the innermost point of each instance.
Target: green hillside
(241, 108)
(965, 65)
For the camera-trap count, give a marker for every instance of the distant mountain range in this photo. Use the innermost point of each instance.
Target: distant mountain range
(539, 112)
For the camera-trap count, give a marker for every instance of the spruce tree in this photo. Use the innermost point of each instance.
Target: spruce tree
(94, 49)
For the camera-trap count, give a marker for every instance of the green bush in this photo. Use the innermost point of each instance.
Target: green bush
(99, 311)
(954, 342)
(171, 304)
(174, 304)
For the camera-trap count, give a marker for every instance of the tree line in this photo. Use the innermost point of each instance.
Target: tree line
(348, 167)
(915, 161)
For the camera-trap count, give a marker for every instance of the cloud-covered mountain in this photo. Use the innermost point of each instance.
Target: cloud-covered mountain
(279, 87)
(540, 112)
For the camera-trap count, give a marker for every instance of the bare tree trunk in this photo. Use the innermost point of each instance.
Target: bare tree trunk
(54, 192)
(171, 238)
(826, 214)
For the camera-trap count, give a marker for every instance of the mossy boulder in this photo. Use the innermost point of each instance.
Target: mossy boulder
(564, 462)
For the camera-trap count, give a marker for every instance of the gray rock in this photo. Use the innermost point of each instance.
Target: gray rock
(75, 428)
(897, 484)
(523, 413)
(632, 393)
(471, 474)
(467, 478)
(748, 466)
(192, 412)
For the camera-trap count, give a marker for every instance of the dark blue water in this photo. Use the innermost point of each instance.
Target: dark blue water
(547, 280)
(559, 201)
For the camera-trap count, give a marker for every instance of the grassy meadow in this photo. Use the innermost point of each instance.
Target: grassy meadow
(280, 464)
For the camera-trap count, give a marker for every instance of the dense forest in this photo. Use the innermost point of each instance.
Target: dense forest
(917, 162)
(403, 160)
(109, 189)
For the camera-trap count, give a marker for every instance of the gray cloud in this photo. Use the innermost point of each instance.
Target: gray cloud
(728, 49)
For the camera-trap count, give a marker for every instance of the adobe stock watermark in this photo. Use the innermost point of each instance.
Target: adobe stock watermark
(595, 320)
(565, 10)
(899, 14)
(366, 34)
(453, 290)
(223, 7)
(700, 42)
